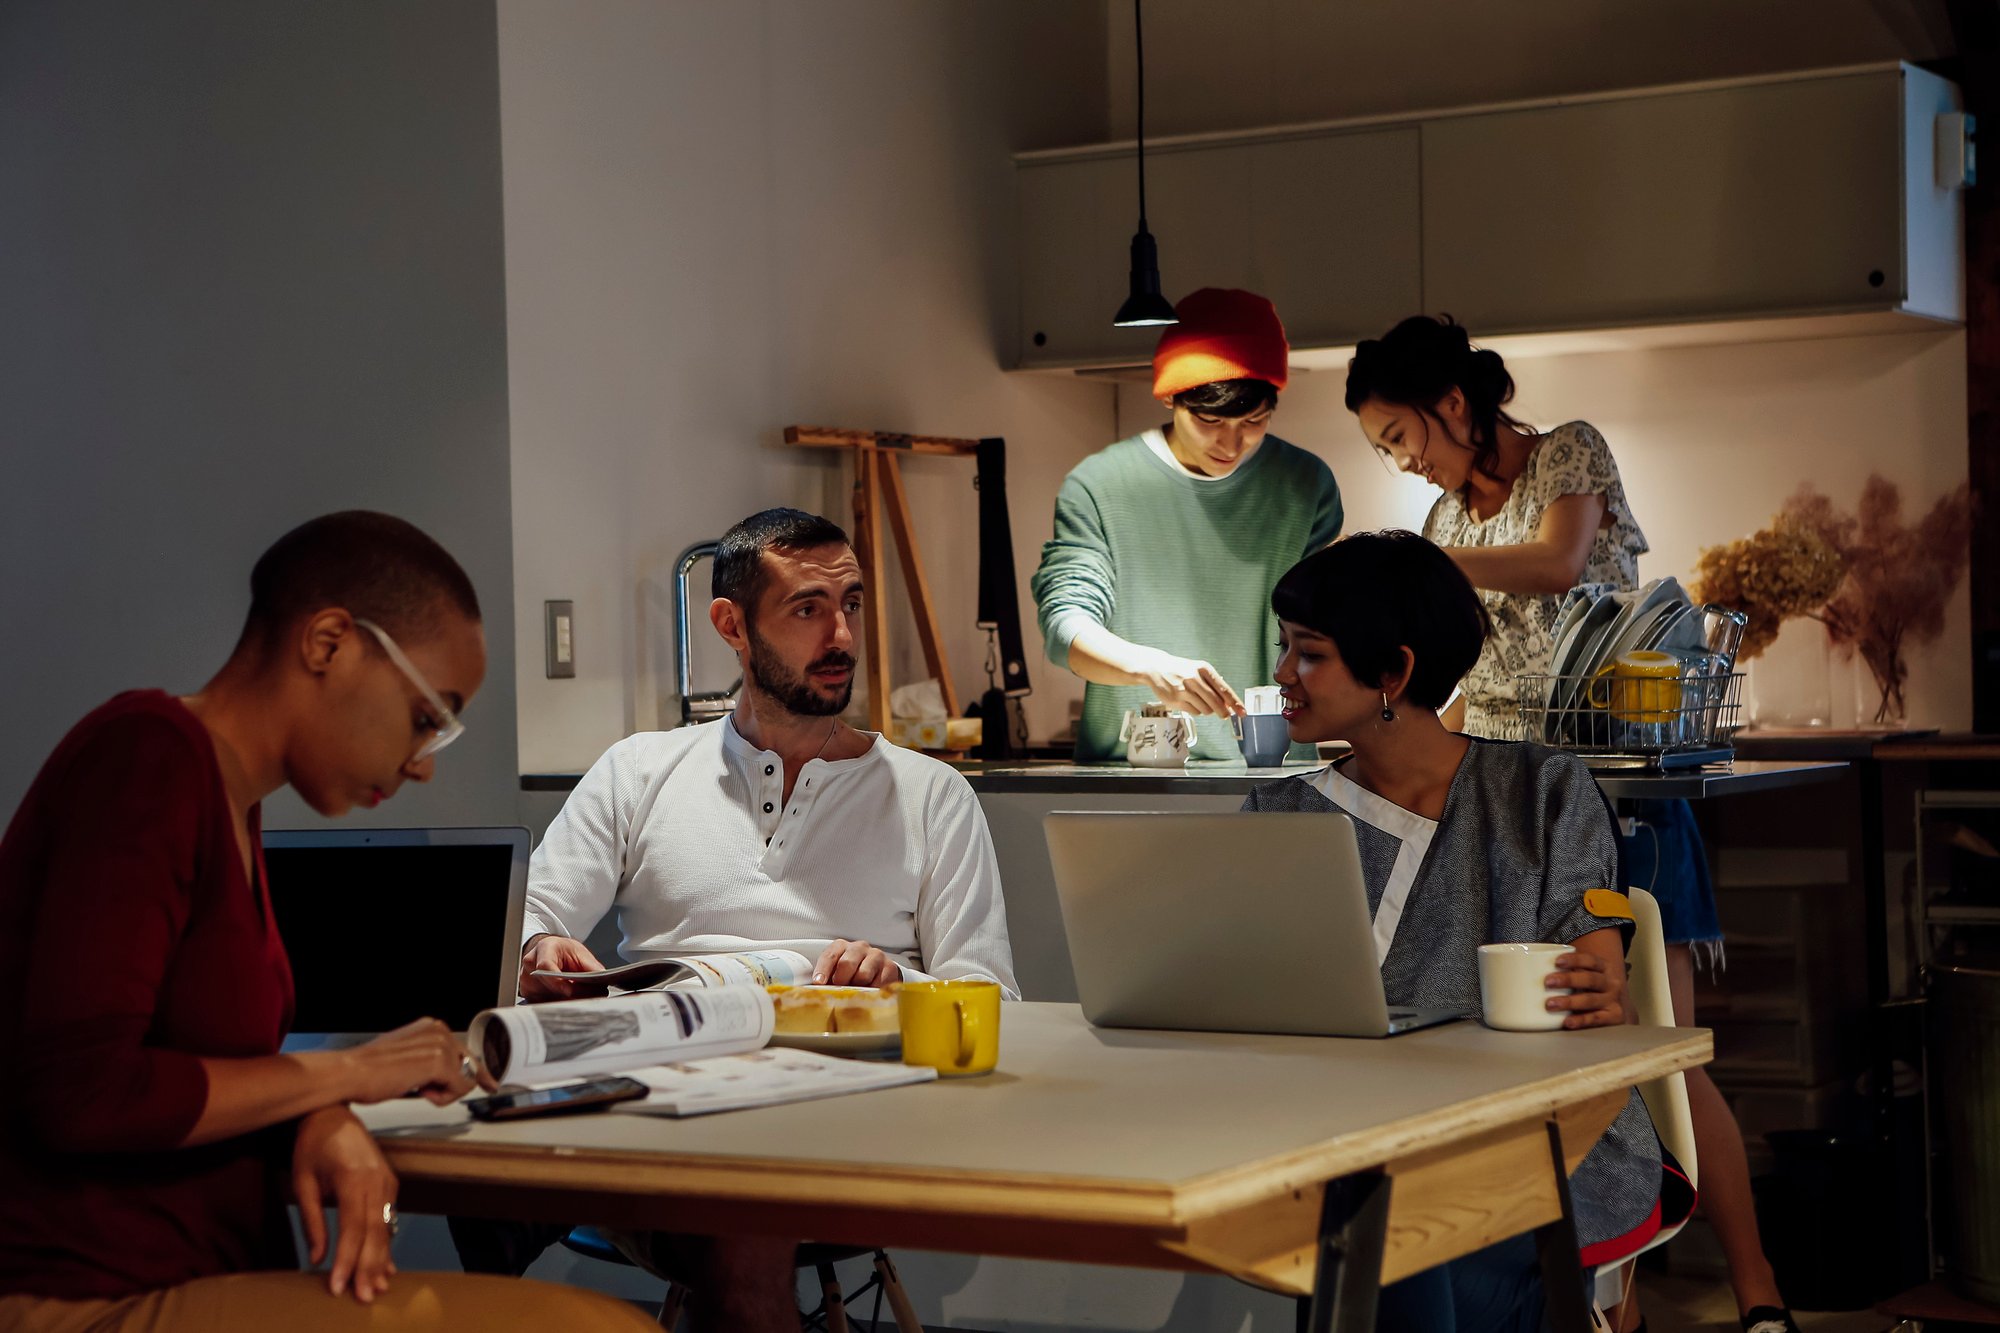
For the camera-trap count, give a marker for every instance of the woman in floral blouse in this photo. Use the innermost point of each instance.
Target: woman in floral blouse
(1528, 516)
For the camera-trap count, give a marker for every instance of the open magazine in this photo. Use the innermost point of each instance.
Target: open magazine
(762, 967)
(696, 1050)
(761, 1078)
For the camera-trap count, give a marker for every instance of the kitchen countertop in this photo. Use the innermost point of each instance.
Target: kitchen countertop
(1902, 745)
(1218, 778)
(1223, 778)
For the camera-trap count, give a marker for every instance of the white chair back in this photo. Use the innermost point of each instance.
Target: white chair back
(1652, 998)
(1666, 1098)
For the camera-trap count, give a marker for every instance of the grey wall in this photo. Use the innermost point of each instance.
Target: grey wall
(250, 271)
(1319, 61)
(723, 219)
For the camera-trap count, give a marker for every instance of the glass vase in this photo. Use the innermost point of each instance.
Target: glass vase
(1878, 693)
(1791, 682)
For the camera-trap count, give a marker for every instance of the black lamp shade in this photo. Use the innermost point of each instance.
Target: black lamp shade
(1145, 305)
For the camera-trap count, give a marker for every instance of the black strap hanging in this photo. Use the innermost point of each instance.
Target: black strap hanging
(999, 598)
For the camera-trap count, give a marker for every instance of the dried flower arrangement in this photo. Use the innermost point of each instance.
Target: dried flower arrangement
(1898, 578)
(1786, 570)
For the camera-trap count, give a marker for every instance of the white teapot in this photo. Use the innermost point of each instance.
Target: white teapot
(1157, 737)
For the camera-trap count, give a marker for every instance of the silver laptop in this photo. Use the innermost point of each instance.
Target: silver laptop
(385, 926)
(1222, 922)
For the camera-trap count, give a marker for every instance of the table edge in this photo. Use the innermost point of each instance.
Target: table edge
(1163, 1205)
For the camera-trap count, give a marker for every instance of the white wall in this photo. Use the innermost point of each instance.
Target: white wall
(251, 272)
(724, 219)
(1710, 442)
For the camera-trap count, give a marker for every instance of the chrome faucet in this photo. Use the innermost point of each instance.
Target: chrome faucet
(708, 706)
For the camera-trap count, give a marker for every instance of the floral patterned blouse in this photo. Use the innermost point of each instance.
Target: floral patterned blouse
(1572, 459)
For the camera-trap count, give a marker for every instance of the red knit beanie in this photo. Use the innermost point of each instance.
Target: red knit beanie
(1224, 334)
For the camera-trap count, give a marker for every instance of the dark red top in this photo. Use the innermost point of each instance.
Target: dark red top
(134, 946)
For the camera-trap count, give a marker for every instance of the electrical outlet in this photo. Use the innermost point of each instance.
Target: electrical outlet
(559, 639)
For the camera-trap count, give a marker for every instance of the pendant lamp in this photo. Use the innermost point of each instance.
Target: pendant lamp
(1144, 305)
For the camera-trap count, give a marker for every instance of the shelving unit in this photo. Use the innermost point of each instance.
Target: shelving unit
(1954, 912)
(1955, 900)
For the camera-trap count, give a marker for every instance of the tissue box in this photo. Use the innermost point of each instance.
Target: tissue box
(914, 734)
(958, 733)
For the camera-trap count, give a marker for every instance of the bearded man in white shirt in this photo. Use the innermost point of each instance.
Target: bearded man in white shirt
(779, 827)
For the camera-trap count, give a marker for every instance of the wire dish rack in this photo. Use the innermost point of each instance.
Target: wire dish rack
(1627, 722)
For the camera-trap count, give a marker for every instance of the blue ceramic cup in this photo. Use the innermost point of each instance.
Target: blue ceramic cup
(1263, 738)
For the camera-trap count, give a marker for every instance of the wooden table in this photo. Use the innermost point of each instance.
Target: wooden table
(1318, 1167)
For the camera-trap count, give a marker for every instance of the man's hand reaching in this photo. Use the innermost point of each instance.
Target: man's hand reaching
(855, 963)
(557, 953)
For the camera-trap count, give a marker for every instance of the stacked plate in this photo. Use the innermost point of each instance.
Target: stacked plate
(1594, 631)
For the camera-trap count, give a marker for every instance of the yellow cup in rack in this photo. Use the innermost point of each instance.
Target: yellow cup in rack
(1641, 686)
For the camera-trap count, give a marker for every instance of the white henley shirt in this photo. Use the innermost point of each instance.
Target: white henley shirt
(687, 833)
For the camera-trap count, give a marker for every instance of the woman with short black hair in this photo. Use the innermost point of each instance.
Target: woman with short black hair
(1463, 842)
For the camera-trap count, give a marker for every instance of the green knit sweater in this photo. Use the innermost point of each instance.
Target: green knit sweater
(1176, 562)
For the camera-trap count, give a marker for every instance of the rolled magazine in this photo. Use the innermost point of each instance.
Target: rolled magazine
(697, 1050)
(572, 1039)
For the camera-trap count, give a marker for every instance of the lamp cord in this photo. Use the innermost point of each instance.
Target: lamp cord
(1139, 41)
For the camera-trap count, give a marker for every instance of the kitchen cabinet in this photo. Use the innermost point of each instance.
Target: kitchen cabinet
(1327, 225)
(1748, 200)
(1807, 195)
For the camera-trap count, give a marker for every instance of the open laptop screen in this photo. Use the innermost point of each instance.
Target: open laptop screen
(385, 926)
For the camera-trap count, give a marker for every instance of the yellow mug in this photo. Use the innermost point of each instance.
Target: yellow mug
(1644, 687)
(952, 1026)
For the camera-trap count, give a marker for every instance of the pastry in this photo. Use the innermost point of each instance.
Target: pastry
(820, 1010)
(801, 1010)
(867, 1011)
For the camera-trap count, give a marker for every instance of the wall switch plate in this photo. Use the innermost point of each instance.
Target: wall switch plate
(1957, 151)
(559, 639)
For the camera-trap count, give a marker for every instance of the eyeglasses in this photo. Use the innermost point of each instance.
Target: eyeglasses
(449, 728)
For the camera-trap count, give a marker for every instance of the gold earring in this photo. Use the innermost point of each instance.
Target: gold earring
(1388, 713)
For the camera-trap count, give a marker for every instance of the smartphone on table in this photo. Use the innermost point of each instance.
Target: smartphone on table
(588, 1095)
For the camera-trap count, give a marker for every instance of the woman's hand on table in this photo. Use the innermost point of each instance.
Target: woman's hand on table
(335, 1162)
(855, 963)
(1190, 685)
(557, 953)
(1596, 986)
(419, 1058)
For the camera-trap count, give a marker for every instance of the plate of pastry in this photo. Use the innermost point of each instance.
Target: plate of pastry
(837, 1020)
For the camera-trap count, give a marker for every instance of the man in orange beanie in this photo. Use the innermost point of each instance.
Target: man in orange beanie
(1157, 583)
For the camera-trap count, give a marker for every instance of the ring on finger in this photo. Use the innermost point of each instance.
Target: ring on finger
(467, 1068)
(389, 1219)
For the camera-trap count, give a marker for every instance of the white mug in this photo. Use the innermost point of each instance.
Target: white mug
(1157, 742)
(1512, 993)
(1259, 699)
